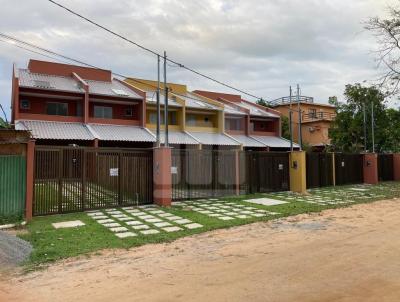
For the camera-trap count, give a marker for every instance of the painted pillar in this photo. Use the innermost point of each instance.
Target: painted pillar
(298, 171)
(95, 143)
(396, 167)
(30, 159)
(370, 168)
(237, 171)
(334, 169)
(162, 161)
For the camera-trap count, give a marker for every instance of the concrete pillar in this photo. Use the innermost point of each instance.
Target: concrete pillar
(162, 161)
(237, 171)
(396, 167)
(30, 159)
(95, 143)
(298, 171)
(370, 168)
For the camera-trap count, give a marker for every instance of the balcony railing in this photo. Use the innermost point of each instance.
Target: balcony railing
(293, 99)
(317, 116)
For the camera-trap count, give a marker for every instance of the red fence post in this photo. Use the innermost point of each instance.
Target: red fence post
(162, 161)
(370, 168)
(396, 167)
(30, 159)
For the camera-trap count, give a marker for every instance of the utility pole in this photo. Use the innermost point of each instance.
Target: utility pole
(290, 119)
(365, 128)
(158, 103)
(373, 126)
(299, 112)
(166, 143)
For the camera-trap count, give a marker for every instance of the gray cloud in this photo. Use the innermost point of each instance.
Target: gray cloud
(260, 46)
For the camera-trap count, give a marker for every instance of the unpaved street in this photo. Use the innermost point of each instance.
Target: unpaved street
(350, 254)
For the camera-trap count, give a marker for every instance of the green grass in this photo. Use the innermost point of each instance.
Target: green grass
(51, 244)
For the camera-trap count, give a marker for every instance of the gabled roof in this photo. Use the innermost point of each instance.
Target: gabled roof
(220, 139)
(113, 88)
(49, 82)
(256, 111)
(121, 133)
(274, 141)
(177, 138)
(247, 141)
(193, 101)
(55, 130)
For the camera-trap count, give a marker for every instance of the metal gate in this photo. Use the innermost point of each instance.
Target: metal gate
(385, 167)
(203, 173)
(348, 168)
(319, 170)
(266, 172)
(69, 179)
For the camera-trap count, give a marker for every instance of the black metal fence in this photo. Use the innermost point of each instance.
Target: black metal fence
(203, 173)
(265, 172)
(69, 179)
(385, 167)
(349, 168)
(319, 169)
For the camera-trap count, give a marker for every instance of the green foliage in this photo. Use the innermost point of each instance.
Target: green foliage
(3, 124)
(347, 132)
(285, 127)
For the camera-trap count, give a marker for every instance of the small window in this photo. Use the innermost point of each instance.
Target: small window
(103, 112)
(25, 104)
(79, 109)
(153, 118)
(129, 111)
(57, 109)
(312, 113)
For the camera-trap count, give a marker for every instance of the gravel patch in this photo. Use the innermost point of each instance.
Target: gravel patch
(13, 250)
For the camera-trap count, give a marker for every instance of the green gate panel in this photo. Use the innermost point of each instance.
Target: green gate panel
(12, 185)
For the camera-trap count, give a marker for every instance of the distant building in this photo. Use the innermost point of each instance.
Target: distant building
(316, 119)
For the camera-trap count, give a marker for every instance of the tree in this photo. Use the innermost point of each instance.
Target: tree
(387, 33)
(3, 124)
(347, 132)
(263, 102)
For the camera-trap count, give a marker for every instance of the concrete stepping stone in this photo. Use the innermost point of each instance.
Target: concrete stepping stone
(193, 226)
(173, 218)
(165, 215)
(68, 224)
(108, 220)
(183, 221)
(258, 215)
(125, 218)
(112, 225)
(128, 208)
(118, 229)
(242, 216)
(225, 218)
(140, 227)
(125, 234)
(149, 232)
(172, 229)
(92, 214)
(147, 217)
(110, 210)
(118, 215)
(134, 222)
(162, 224)
(153, 220)
(100, 217)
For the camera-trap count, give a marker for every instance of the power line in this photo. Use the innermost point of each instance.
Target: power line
(64, 57)
(151, 51)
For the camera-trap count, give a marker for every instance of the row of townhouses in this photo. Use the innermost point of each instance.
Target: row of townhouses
(64, 104)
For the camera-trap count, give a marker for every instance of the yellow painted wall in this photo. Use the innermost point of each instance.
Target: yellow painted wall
(179, 118)
(298, 172)
(320, 133)
(151, 85)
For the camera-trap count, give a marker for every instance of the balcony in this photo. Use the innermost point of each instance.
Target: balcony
(318, 116)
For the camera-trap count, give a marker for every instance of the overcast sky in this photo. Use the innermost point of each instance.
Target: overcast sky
(261, 46)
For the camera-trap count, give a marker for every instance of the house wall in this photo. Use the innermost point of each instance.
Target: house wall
(201, 124)
(179, 119)
(38, 105)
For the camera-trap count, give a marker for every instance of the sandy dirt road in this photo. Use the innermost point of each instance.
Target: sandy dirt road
(350, 254)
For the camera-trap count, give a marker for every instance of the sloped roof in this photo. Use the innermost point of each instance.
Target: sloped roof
(193, 101)
(121, 133)
(220, 139)
(55, 130)
(254, 110)
(274, 141)
(248, 141)
(177, 138)
(113, 88)
(44, 81)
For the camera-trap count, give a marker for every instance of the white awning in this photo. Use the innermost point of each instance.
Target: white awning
(219, 139)
(274, 141)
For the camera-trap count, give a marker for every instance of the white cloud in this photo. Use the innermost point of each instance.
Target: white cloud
(259, 46)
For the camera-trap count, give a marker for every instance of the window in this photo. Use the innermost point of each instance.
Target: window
(79, 109)
(172, 119)
(129, 111)
(191, 120)
(25, 104)
(312, 113)
(153, 118)
(57, 109)
(103, 112)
